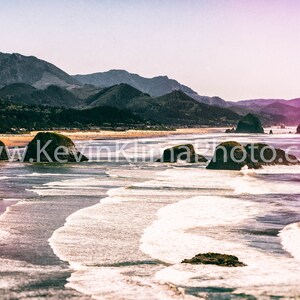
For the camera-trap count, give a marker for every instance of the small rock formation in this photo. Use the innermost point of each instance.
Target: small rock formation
(298, 130)
(260, 154)
(271, 131)
(228, 156)
(233, 156)
(218, 259)
(230, 130)
(3, 151)
(181, 152)
(249, 124)
(52, 147)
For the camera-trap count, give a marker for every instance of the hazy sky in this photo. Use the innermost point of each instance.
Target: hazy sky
(235, 49)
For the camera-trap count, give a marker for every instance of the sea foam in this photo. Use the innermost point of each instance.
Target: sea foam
(290, 239)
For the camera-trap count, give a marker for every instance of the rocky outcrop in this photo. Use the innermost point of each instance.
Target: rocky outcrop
(298, 130)
(233, 156)
(218, 259)
(230, 130)
(52, 147)
(228, 156)
(3, 152)
(260, 154)
(181, 152)
(249, 124)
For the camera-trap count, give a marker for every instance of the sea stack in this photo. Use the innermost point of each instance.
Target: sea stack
(52, 147)
(261, 154)
(298, 129)
(233, 156)
(228, 156)
(181, 152)
(3, 151)
(249, 124)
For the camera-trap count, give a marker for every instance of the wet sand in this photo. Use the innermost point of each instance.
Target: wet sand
(19, 140)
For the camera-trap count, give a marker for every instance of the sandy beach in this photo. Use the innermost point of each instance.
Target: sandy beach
(19, 140)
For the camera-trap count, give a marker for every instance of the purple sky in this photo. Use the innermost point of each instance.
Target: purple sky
(234, 49)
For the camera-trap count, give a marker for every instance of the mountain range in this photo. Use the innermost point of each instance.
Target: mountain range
(264, 102)
(17, 68)
(288, 109)
(175, 108)
(27, 80)
(156, 86)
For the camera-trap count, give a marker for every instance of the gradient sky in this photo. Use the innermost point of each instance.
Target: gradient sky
(235, 49)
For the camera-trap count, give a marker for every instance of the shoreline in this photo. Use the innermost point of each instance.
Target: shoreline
(21, 140)
(6, 204)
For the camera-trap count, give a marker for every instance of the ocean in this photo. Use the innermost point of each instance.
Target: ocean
(119, 228)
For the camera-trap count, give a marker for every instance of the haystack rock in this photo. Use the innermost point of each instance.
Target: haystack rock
(298, 130)
(249, 124)
(52, 147)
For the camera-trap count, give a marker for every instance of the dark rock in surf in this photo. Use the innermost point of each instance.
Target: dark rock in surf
(218, 259)
(260, 154)
(182, 152)
(233, 156)
(232, 130)
(3, 151)
(249, 124)
(298, 130)
(228, 156)
(52, 147)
